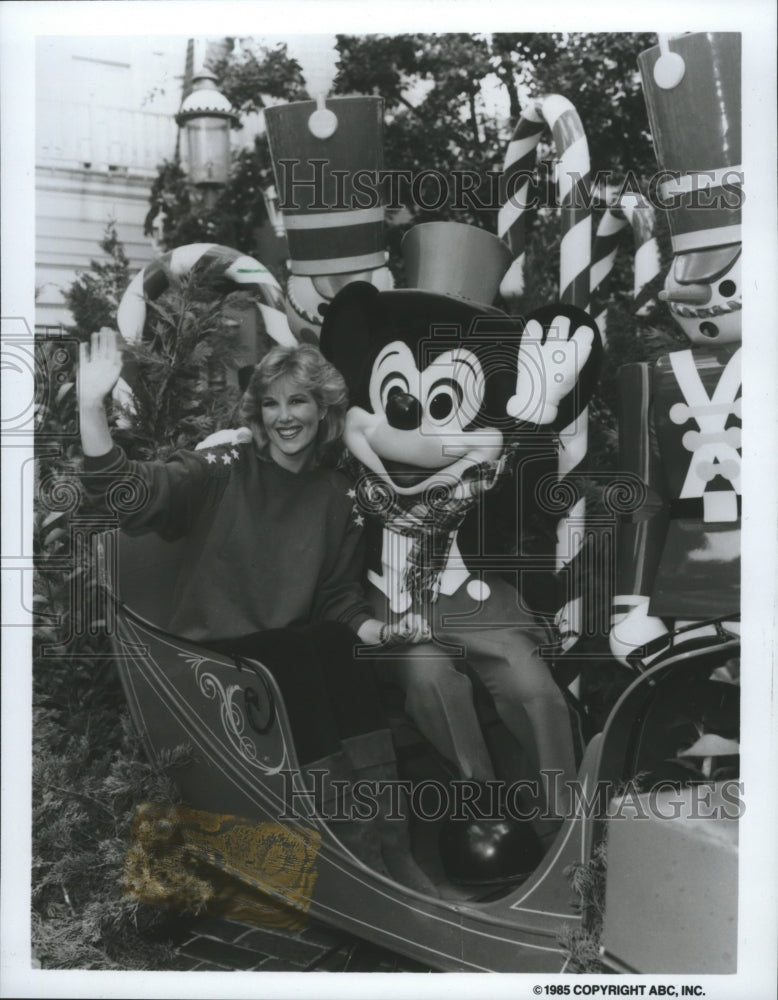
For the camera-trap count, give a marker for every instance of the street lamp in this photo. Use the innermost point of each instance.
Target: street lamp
(206, 115)
(270, 198)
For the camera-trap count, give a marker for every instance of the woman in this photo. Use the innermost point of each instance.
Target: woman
(274, 564)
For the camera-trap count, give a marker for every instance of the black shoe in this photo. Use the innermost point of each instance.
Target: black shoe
(488, 849)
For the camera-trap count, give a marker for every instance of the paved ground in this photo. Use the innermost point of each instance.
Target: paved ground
(214, 944)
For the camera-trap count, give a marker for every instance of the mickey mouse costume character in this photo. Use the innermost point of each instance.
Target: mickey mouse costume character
(439, 385)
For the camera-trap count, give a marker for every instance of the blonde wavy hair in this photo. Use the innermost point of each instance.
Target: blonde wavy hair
(307, 367)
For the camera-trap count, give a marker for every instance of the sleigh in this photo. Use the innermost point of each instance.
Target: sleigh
(230, 716)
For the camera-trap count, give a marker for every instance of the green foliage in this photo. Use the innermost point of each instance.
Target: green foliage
(184, 381)
(241, 204)
(57, 497)
(435, 89)
(582, 941)
(88, 778)
(598, 72)
(439, 92)
(170, 195)
(89, 770)
(94, 296)
(252, 72)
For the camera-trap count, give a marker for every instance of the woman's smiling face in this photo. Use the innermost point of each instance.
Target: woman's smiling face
(290, 417)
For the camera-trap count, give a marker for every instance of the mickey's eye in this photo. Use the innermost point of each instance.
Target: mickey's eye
(444, 397)
(391, 385)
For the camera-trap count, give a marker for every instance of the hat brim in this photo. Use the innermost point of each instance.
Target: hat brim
(705, 265)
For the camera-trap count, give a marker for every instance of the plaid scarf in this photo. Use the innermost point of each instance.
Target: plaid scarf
(430, 518)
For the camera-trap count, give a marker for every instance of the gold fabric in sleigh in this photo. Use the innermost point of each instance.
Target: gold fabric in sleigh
(203, 862)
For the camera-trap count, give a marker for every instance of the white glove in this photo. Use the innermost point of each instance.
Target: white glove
(634, 629)
(548, 371)
(230, 435)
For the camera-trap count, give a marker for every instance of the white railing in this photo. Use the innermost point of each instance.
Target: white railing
(107, 139)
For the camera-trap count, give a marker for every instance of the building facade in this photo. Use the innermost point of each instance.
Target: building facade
(105, 120)
(105, 110)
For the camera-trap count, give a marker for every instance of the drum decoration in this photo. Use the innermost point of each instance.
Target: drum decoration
(238, 271)
(680, 428)
(327, 156)
(557, 115)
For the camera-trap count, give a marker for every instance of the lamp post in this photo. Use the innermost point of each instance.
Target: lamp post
(207, 115)
(270, 198)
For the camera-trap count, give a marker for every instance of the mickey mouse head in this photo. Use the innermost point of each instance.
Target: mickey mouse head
(430, 378)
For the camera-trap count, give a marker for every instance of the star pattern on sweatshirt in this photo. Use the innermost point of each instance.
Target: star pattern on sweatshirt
(224, 454)
(358, 518)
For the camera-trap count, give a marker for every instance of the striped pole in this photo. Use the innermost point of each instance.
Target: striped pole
(242, 272)
(617, 217)
(557, 115)
(518, 170)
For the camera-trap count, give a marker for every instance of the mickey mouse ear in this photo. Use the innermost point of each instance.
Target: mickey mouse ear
(345, 334)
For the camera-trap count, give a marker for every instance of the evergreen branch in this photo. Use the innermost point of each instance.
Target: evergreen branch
(71, 792)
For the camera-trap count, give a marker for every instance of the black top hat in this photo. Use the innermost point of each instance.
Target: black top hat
(455, 259)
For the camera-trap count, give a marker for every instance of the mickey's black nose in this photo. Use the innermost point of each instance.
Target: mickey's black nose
(403, 411)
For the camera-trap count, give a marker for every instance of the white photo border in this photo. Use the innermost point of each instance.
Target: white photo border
(20, 24)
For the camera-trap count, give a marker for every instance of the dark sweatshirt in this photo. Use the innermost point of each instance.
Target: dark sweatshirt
(269, 548)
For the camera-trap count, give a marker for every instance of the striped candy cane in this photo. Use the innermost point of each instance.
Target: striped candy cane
(239, 270)
(615, 219)
(243, 273)
(556, 114)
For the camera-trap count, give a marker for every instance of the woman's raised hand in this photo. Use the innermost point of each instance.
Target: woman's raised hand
(99, 365)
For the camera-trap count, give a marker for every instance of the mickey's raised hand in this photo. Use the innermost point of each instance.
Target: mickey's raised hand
(548, 369)
(99, 365)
